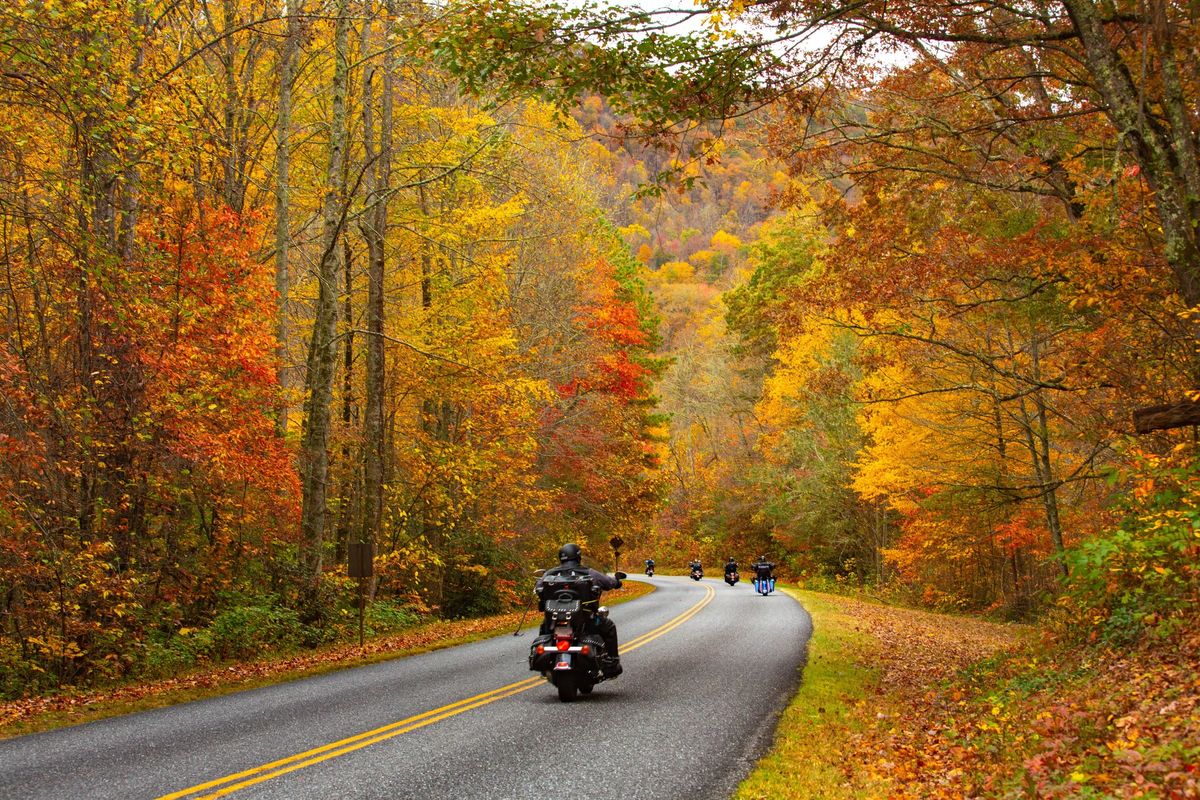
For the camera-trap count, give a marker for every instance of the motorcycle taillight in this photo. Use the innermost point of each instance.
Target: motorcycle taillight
(564, 644)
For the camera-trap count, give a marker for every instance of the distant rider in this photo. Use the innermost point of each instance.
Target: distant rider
(730, 567)
(763, 571)
(649, 566)
(694, 565)
(569, 557)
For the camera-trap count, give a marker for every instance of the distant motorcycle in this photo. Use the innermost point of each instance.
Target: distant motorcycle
(570, 657)
(732, 577)
(697, 573)
(764, 586)
(649, 570)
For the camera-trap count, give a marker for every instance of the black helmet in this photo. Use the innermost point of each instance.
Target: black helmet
(569, 552)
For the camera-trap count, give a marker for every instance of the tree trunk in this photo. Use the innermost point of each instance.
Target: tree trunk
(346, 496)
(283, 159)
(374, 230)
(1050, 490)
(231, 189)
(1038, 441)
(322, 351)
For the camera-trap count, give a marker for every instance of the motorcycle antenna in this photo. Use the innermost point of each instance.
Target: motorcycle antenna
(537, 574)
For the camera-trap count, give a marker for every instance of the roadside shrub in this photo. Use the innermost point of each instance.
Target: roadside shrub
(20, 674)
(247, 631)
(388, 616)
(472, 584)
(1146, 572)
(167, 653)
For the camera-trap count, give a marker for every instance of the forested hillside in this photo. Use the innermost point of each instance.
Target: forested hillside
(695, 240)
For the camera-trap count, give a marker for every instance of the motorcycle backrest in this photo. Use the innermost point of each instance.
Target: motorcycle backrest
(560, 605)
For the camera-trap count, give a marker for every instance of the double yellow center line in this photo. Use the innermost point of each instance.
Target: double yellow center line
(265, 772)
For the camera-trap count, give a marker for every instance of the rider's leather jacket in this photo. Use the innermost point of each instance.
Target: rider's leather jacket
(597, 577)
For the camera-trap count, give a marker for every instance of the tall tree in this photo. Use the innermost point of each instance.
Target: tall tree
(374, 230)
(289, 57)
(322, 348)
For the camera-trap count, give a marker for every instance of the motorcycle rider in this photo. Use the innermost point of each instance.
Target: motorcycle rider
(730, 566)
(764, 571)
(694, 564)
(649, 565)
(569, 557)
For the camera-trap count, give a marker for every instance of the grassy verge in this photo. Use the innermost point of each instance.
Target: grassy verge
(804, 759)
(863, 659)
(32, 715)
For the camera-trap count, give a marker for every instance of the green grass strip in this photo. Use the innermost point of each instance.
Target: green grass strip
(805, 760)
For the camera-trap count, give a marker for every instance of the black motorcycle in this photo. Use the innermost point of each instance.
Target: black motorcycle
(649, 570)
(732, 577)
(572, 655)
(697, 573)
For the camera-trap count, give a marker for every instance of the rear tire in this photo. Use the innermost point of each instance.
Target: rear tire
(567, 687)
(586, 688)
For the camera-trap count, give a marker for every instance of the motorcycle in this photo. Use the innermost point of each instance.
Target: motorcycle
(732, 577)
(764, 586)
(650, 571)
(697, 573)
(571, 657)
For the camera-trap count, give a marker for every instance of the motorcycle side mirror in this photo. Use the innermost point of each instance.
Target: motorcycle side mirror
(620, 576)
(537, 573)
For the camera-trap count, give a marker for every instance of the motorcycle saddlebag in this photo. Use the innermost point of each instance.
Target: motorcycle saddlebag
(595, 641)
(545, 661)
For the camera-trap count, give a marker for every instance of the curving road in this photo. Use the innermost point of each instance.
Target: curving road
(708, 668)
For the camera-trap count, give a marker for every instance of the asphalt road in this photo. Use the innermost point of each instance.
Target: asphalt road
(708, 668)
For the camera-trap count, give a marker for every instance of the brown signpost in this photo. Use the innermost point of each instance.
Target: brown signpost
(361, 565)
(616, 543)
(362, 560)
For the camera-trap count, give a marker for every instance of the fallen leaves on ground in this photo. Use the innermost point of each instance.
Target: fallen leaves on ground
(968, 709)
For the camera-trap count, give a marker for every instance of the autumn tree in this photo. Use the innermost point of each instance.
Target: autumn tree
(161, 473)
